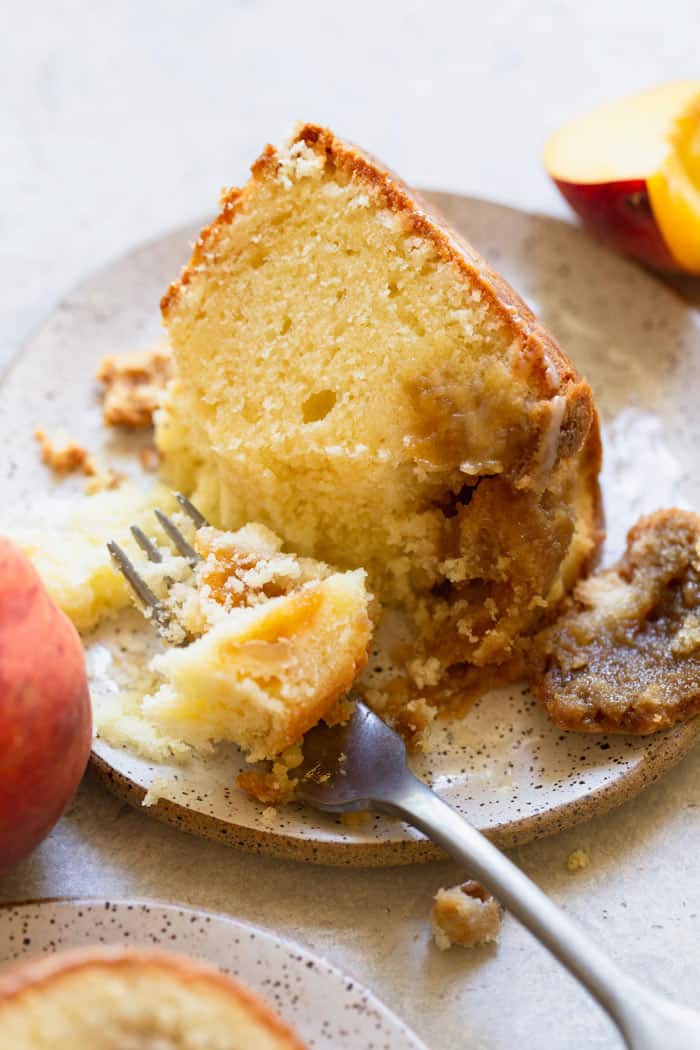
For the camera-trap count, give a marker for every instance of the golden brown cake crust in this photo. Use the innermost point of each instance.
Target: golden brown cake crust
(33, 974)
(591, 463)
(547, 366)
(625, 655)
(477, 584)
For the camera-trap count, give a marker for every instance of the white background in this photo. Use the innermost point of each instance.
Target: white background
(120, 120)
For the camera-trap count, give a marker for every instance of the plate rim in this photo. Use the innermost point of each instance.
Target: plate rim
(661, 755)
(670, 748)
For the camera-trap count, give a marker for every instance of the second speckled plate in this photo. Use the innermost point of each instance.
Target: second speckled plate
(505, 767)
(328, 1009)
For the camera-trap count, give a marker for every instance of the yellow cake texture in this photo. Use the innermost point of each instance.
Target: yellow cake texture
(279, 641)
(66, 540)
(261, 644)
(127, 999)
(466, 915)
(354, 376)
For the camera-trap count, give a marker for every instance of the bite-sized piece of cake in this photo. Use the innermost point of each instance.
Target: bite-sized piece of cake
(273, 641)
(235, 570)
(466, 915)
(265, 673)
(625, 655)
(355, 376)
(126, 999)
(133, 385)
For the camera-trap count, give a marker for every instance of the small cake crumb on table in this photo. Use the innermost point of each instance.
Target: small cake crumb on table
(578, 860)
(466, 915)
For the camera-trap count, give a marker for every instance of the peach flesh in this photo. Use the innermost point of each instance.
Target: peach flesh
(631, 170)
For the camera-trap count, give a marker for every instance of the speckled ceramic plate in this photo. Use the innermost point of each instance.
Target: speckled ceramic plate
(325, 1007)
(505, 767)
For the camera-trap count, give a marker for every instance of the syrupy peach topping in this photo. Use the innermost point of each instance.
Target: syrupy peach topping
(625, 657)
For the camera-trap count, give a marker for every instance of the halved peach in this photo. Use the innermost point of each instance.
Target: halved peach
(631, 170)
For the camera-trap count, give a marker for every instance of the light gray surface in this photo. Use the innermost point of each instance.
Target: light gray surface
(639, 899)
(121, 120)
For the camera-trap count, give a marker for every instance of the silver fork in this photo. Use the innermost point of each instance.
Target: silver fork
(362, 765)
(157, 609)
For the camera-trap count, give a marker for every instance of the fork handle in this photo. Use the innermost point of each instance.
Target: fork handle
(645, 1020)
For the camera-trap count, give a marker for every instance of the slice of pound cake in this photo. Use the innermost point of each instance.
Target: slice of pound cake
(121, 999)
(352, 374)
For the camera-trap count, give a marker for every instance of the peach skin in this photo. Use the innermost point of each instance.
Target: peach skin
(45, 713)
(631, 170)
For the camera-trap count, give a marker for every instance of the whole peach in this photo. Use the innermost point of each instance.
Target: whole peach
(45, 714)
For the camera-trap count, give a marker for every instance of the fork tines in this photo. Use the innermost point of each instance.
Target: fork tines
(191, 511)
(184, 548)
(147, 545)
(159, 611)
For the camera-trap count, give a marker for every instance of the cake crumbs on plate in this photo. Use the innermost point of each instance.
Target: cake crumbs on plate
(274, 785)
(156, 791)
(269, 816)
(104, 481)
(411, 716)
(271, 786)
(466, 915)
(62, 454)
(133, 385)
(578, 860)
